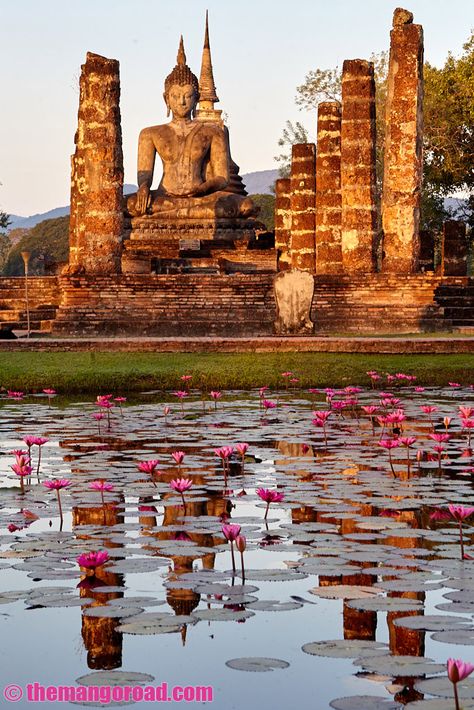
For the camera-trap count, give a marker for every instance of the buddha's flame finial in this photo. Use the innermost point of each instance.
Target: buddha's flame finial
(207, 88)
(181, 58)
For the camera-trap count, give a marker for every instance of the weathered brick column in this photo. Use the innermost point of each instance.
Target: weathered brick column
(454, 249)
(302, 203)
(328, 189)
(283, 223)
(403, 160)
(96, 222)
(358, 179)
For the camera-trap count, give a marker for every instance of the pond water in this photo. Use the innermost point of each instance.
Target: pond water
(353, 597)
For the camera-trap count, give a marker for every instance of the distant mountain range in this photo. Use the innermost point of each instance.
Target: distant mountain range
(256, 183)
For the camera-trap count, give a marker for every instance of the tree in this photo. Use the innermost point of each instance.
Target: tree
(267, 210)
(449, 123)
(292, 134)
(47, 242)
(448, 130)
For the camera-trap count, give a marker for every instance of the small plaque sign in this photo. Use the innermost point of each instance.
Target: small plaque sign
(189, 244)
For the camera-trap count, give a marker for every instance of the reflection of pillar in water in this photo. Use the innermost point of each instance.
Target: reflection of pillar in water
(102, 642)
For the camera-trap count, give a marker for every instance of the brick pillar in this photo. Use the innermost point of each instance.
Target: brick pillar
(454, 249)
(302, 203)
(96, 222)
(427, 249)
(283, 223)
(328, 189)
(358, 178)
(403, 160)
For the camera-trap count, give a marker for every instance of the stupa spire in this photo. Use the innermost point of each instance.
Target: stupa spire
(207, 88)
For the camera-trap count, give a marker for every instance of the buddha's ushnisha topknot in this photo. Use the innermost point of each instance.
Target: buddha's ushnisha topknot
(181, 74)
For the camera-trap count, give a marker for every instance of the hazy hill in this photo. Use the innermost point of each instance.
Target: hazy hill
(256, 183)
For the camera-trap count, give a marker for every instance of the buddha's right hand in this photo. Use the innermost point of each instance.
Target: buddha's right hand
(143, 199)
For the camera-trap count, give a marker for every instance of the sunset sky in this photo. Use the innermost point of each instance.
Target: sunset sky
(261, 50)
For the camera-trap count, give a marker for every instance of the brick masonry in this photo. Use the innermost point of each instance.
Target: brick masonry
(237, 305)
(303, 207)
(403, 155)
(96, 223)
(328, 189)
(358, 178)
(283, 223)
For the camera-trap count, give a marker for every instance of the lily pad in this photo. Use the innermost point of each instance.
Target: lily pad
(256, 664)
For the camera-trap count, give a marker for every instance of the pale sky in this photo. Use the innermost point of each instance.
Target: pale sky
(261, 51)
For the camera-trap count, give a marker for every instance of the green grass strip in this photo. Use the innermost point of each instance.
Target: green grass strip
(129, 372)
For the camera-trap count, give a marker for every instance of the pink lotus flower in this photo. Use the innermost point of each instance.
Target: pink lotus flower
(304, 448)
(458, 670)
(465, 412)
(166, 411)
(180, 485)
(419, 389)
(91, 560)
(460, 512)
(241, 544)
(50, 393)
(454, 384)
(186, 378)
(29, 440)
(178, 456)
(101, 486)
(231, 534)
(241, 449)
(56, 485)
(407, 440)
(268, 404)
(215, 394)
(370, 409)
(439, 437)
(148, 466)
(98, 416)
(14, 395)
(389, 444)
(22, 467)
(231, 531)
(447, 422)
(323, 415)
(180, 394)
(269, 496)
(262, 391)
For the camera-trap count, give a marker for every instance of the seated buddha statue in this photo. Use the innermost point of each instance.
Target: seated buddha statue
(198, 180)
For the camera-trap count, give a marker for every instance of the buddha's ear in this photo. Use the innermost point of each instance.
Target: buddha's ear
(168, 110)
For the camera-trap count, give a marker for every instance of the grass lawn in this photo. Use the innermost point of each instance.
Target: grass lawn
(128, 372)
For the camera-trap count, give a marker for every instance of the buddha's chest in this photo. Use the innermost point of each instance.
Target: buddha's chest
(184, 148)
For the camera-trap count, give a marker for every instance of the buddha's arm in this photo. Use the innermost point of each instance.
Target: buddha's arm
(219, 166)
(146, 163)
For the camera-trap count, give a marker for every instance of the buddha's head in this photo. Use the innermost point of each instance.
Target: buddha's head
(181, 88)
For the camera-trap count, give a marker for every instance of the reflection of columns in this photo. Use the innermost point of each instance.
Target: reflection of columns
(358, 180)
(403, 156)
(282, 223)
(328, 189)
(303, 202)
(102, 642)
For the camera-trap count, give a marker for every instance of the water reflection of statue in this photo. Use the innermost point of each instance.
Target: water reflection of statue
(199, 178)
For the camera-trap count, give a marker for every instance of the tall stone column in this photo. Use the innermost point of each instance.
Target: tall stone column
(328, 189)
(283, 223)
(96, 222)
(403, 161)
(454, 249)
(358, 177)
(302, 203)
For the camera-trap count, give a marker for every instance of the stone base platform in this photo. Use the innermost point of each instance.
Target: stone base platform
(185, 245)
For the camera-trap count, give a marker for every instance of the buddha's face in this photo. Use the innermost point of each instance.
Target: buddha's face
(181, 100)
